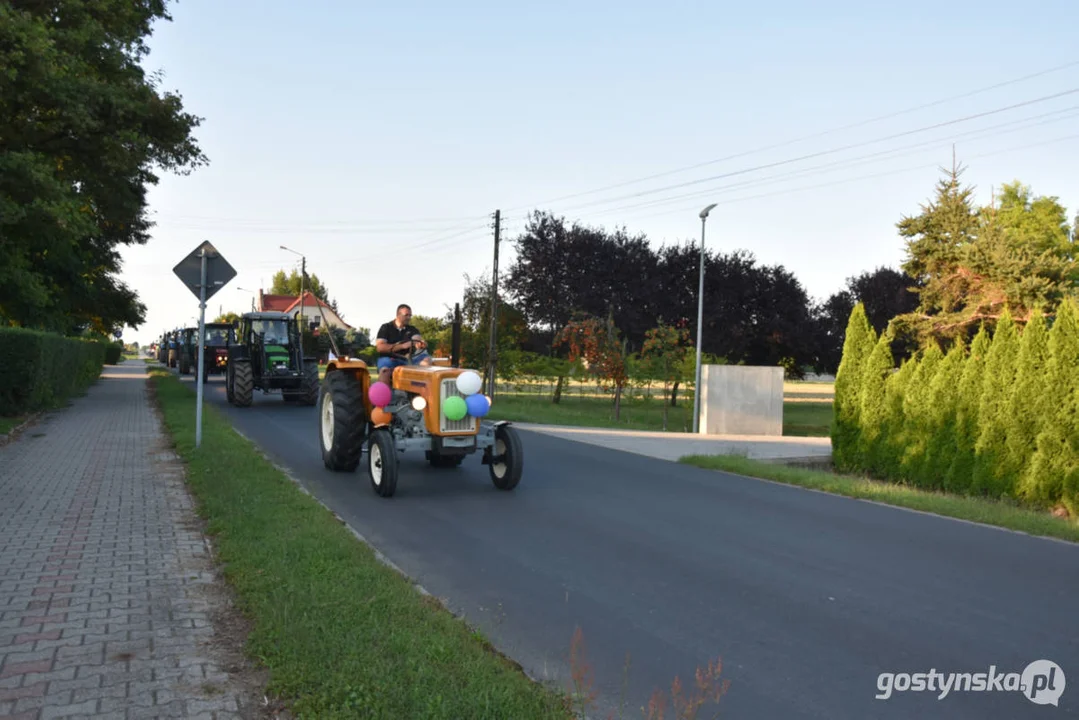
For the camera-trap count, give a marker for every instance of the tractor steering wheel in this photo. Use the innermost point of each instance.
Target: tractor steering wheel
(406, 356)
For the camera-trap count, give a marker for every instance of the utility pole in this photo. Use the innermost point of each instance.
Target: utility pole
(303, 276)
(492, 361)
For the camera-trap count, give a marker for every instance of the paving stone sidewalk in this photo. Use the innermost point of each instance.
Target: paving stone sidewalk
(109, 607)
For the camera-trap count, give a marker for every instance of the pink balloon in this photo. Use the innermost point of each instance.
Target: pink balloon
(380, 394)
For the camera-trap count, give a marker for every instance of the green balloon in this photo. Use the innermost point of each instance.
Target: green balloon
(455, 407)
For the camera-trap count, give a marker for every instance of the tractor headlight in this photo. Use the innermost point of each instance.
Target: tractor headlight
(419, 403)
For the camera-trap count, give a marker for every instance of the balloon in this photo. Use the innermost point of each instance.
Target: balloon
(380, 416)
(454, 407)
(477, 405)
(469, 382)
(380, 394)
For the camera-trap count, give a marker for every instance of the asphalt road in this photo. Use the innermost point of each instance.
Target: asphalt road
(805, 596)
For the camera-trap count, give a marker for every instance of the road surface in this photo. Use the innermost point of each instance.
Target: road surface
(806, 597)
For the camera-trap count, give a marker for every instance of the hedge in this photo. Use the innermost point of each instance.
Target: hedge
(42, 370)
(997, 419)
(113, 353)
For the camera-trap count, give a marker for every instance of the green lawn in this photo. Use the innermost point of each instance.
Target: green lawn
(1001, 514)
(7, 424)
(342, 634)
(799, 418)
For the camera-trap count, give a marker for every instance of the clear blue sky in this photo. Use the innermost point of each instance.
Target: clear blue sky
(378, 138)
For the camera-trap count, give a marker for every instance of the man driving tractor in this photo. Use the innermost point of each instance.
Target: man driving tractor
(399, 337)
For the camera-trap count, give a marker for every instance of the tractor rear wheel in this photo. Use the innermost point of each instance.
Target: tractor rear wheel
(243, 384)
(342, 421)
(507, 458)
(309, 388)
(382, 463)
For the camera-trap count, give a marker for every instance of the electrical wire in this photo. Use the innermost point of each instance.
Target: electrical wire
(831, 151)
(813, 136)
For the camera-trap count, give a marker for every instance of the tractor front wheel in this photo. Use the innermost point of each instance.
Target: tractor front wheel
(342, 421)
(382, 463)
(507, 458)
(309, 389)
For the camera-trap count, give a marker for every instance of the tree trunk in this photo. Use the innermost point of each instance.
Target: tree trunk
(674, 395)
(558, 389)
(665, 407)
(617, 402)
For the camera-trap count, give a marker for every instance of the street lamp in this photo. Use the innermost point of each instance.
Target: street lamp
(253, 294)
(700, 328)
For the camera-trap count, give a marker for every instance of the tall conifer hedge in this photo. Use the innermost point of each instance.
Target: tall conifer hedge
(999, 418)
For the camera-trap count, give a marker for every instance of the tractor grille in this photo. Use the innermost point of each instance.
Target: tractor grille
(465, 424)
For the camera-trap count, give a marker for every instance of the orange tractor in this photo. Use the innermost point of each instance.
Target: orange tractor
(435, 408)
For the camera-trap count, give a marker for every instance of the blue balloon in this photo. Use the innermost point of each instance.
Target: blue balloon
(477, 405)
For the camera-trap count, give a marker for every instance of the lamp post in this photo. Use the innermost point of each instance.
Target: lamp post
(253, 294)
(700, 328)
(303, 278)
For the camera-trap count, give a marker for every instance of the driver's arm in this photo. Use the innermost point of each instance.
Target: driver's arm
(383, 346)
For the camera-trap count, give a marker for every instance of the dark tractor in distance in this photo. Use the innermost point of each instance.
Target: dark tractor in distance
(216, 348)
(188, 347)
(267, 355)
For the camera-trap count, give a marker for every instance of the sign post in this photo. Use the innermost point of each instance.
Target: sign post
(204, 272)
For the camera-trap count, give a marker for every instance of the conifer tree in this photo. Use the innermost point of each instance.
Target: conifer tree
(1029, 404)
(943, 409)
(916, 407)
(896, 431)
(961, 471)
(873, 412)
(1056, 457)
(990, 447)
(857, 346)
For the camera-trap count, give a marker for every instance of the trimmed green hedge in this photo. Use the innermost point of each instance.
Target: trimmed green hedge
(998, 419)
(113, 352)
(41, 370)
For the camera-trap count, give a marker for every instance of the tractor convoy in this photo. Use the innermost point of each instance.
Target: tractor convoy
(438, 409)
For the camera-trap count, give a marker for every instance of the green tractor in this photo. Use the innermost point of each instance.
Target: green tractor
(267, 355)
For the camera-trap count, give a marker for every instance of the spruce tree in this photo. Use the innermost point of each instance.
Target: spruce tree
(1055, 456)
(991, 446)
(943, 408)
(873, 410)
(857, 346)
(1029, 404)
(961, 471)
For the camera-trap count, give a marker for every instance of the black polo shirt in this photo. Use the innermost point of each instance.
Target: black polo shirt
(393, 335)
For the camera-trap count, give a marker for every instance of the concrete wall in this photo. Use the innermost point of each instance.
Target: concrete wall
(741, 400)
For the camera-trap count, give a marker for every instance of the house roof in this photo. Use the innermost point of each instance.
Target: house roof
(291, 303)
(277, 303)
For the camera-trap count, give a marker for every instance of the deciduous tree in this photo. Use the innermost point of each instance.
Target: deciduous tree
(83, 132)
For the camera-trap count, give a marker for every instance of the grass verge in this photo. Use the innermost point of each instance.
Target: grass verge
(980, 510)
(7, 424)
(342, 634)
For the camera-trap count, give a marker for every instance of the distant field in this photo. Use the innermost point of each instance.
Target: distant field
(807, 406)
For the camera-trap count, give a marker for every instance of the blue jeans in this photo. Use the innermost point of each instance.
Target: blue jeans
(385, 361)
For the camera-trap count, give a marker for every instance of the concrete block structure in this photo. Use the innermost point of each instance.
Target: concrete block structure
(741, 400)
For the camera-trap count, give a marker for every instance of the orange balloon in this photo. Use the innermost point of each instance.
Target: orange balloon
(380, 416)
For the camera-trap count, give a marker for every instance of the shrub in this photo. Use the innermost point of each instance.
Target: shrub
(44, 369)
(113, 353)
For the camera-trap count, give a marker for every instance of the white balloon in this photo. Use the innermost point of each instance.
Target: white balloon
(469, 382)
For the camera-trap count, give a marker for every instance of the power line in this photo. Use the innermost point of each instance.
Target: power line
(806, 137)
(1024, 124)
(817, 186)
(831, 151)
(348, 223)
